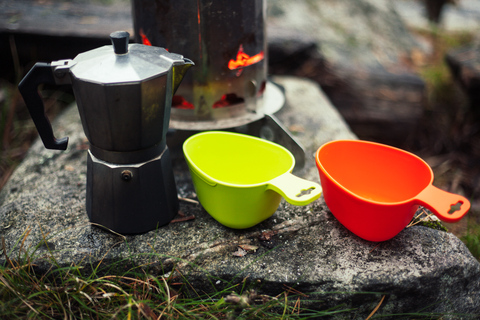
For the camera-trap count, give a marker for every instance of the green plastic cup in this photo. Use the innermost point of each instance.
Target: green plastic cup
(240, 180)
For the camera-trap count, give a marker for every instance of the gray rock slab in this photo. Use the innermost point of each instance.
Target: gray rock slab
(456, 16)
(367, 34)
(77, 18)
(43, 213)
(464, 65)
(97, 18)
(362, 59)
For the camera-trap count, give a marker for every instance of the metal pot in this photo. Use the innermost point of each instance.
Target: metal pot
(226, 40)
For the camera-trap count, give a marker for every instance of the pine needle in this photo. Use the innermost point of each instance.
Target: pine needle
(376, 308)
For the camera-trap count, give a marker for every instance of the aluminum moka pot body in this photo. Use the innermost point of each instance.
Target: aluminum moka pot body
(124, 100)
(123, 93)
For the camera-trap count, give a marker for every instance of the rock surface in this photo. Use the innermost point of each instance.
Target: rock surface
(464, 64)
(299, 248)
(456, 16)
(360, 52)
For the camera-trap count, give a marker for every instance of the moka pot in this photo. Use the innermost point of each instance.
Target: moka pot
(123, 93)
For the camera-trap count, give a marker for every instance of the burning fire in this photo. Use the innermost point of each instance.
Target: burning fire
(244, 60)
(145, 40)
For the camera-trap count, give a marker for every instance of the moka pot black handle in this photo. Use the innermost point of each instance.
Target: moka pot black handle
(41, 73)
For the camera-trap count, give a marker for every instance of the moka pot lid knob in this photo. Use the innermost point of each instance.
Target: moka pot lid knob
(120, 41)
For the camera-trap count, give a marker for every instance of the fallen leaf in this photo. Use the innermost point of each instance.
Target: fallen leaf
(248, 247)
(147, 311)
(267, 235)
(183, 219)
(239, 253)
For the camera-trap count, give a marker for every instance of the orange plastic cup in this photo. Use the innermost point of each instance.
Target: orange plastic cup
(374, 189)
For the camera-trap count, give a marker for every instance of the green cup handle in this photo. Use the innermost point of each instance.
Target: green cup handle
(295, 190)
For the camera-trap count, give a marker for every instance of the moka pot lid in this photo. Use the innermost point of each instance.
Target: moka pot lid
(122, 62)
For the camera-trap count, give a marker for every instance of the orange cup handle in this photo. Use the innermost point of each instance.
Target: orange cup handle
(448, 207)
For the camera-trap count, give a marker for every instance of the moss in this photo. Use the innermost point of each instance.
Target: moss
(472, 240)
(436, 73)
(437, 225)
(425, 218)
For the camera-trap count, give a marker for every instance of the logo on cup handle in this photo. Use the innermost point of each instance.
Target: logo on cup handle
(305, 192)
(455, 207)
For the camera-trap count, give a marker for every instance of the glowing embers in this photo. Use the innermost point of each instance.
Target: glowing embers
(179, 102)
(228, 100)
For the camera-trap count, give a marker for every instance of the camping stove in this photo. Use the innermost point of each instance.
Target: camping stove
(228, 87)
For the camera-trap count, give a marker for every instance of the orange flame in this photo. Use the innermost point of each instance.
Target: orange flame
(244, 60)
(145, 40)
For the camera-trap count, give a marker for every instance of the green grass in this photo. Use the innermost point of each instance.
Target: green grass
(434, 70)
(109, 291)
(74, 293)
(472, 240)
(106, 291)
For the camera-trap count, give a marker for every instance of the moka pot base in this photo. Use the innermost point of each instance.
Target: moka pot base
(131, 198)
